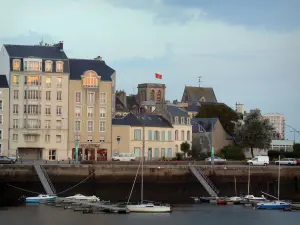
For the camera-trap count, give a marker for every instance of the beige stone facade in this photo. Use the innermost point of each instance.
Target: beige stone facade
(4, 119)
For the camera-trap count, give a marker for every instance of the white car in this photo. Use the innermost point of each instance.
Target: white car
(286, 161)
(260, 160)
(217, 159)
(125, 157)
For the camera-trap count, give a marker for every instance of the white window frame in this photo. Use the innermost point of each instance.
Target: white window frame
(59, 96)
(47, 138)
(88, 114)
(58, 65)
(93, 126)
(48, 64)
(101, 114)
(15, 106)
(50, 156)
(176, 120)
(57, 110)
(103, 100)
(102, 139)
(48, 85)
(80, 125)
(1, 118)
(90, 138)
(58, 141)
(46, 95)
(48, 107)
(59, 84)
(1, 134)
(80, 111)
(16, 94)
(17, 69)
(91, 101)
(15, 137)
(182, 120)
(17, 79)
(16, 125)
(80, 96)
(1, 104)
(47, 124)
(102, 121)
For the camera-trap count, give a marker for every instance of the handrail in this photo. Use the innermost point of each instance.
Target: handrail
(208, 180)
(48, 179)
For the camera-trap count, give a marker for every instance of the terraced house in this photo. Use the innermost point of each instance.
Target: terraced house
(38, 78)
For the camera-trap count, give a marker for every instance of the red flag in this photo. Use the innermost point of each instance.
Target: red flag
(158, 76)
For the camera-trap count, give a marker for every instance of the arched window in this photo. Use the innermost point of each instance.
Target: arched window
(59, 66)
(176, 135)
(188, 136)
(90, 79)
(158, 97)
(156, 136)
(202, 99)
(176, 120)
(152, 95)
(182, 135)
(182, 120)
(48, 66)
(176, 148)
(142, 96)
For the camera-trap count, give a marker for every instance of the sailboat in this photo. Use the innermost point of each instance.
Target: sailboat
(276, 204)
(145, 206)
(235, 199)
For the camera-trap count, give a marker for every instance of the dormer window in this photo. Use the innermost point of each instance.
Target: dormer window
(176, 120)
(17, 64)
(31, 64)
(48, 66)
(59, 67)
(188, 121)
(202, 99)
(90, 79)
(182, 120)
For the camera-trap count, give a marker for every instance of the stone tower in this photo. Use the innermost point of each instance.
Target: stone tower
(151, 92)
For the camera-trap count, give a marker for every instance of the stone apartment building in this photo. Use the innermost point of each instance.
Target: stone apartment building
(4, 114)
(38, 79)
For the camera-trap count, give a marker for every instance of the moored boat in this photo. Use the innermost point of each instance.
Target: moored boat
(92, 198)
(149, 207)
(273, 205)
(234, 200)
(40, 198)
(221, 202)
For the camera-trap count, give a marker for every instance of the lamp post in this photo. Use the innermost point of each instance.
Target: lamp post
(208, 139)
(76, 140)
(295, 131)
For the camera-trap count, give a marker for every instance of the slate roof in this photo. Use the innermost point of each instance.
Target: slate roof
(45, 52)
(196, 93)
(79, 66)
(120, 107)
(3, 81)
(142, 120)
(207, 123)
(131, 101)
(176, 111)
(193, 108)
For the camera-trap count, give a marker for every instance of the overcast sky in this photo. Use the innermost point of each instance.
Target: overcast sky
(248, 51)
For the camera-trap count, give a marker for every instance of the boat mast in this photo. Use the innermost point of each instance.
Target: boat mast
(279, 178)
(235, 186)
(143, 154)
(249, 179)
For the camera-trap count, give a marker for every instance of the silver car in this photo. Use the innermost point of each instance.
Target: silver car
(286, 161)
(6, 160)
(217, 159)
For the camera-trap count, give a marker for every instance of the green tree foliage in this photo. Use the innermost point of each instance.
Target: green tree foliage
(185, 147)
(254, 132)
(233, 152)
(225, 114)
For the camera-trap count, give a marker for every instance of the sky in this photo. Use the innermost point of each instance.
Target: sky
(248, 51)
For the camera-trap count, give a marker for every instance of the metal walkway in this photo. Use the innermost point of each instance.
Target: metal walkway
(45, 180)
(204, 180)
(98, 205)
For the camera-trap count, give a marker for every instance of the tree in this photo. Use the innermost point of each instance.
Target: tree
(225, 114)
(185, 147)
(254, 132)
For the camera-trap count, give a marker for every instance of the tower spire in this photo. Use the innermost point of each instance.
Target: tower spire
(199, 80)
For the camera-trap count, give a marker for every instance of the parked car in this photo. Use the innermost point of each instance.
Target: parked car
(286, 161)
(298, 161)
(125, 157)
(261, 160)
(14, 158)
(6, 160)
(217, 160)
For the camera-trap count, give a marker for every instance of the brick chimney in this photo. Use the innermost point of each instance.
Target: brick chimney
(61, 46)
(98, 58)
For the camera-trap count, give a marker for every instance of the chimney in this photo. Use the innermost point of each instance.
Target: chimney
(61, 46)
(98, 58)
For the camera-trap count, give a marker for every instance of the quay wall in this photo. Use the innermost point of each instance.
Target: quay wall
(170, 183)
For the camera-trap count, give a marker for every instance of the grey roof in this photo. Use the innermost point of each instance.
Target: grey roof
(45, 52)
(120, 107)
(206, 123)
(176, 111)
(79, 66)
(196, 93)
(193, 108)
(131, 101)
(148, 103)
(3, 81)
(142, 120)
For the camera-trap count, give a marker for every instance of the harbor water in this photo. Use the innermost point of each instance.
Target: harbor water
(195, 214)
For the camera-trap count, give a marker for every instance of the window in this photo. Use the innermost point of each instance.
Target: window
(188, 136)
(169, 153)
(102, 98)
(59, 67)
(90, 79)
(91, 97)
(33, 80)
(58, 95)
(182, 120)
(30, 138)
(1, 105)
(58, 124)
(52, 154)
(16, 64)
(137, 135)
(90, 112)
(15, 123)
(48, 82)
(152, 95)
(188, 121)
(102, 139)
(33, 65)
(58, 138)
(77, 111)
(163, 152)
(176, 120)
(58, 110)
(102, 112)
(48, 110)
(149, 135)
(15, 108)
(156, 136)
(32, 123)
(90, 138)
(32, 109)
(1, 119)
(48, 95)
(16, 79)
(176, 135)
(1, 134)
(137, 152)
(77, 138)
(102, 126)
(58, 82)
(32, 95)
(78, 97)
(47, 138)
(163, 135)
(158, 97)
(156, 152)
(47, 124)
(182, 135)
(90, 125)
(169, 135)
(48, 66)
(77, 126)
(15, 137)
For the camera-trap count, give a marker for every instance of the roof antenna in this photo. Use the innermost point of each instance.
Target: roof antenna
(199, 80)
(42, 41)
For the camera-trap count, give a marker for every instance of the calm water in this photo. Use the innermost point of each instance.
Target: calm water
(204, 214)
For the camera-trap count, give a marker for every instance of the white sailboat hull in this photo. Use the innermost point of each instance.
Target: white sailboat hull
(145, 208)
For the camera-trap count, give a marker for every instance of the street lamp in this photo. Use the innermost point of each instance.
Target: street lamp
(295, 131)
(208, 139)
